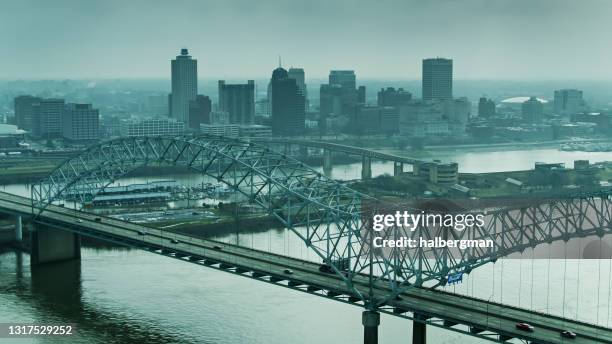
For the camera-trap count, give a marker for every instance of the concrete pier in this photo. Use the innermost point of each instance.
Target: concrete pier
(398, 168)
(370, 321)
(327, 162)
(419, 331)
(52, 245)
(18, 229)
(366, 167)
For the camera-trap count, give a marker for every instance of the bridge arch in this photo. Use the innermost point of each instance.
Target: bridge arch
(331, 219)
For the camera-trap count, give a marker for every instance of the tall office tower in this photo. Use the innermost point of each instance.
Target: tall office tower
(80, 122)
(199, 111)
(392, 97)
(361, 95)
(24, 111)
(486, 107)
(184, 85)
(288, 113)
(47, 118)
(239, 101)
(532, 110)
(344, 78)
(298, 75)
(437, 79)
(568, 102)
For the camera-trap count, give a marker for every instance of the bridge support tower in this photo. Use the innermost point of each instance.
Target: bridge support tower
(370, 321)
(398, 168)
(366, 167)
(18, 229)
(419, 331)
(51, 245)
(327, 162)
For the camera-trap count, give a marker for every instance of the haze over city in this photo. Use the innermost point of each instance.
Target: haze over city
(551, 39)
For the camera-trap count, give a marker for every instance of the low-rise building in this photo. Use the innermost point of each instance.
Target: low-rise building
(438, 172)
(153, 127)
(227, 130)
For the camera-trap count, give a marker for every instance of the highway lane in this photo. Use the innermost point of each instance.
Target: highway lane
(474, 312)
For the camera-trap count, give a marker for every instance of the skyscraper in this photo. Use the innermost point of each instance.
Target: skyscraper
(238, 100)
(486, 107)
(80, 122)
(288, 113)
(568, 102)
(184, 85)
(47, 118)
(344, 78)
(24, 106)
(199, 111)
(532, 110)
(437, 79)
(298, 75)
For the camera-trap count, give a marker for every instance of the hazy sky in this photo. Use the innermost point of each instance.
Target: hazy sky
(488, 39)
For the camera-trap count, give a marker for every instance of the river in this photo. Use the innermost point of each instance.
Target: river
(130, 296)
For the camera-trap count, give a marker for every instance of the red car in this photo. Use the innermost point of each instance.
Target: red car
(524, 327)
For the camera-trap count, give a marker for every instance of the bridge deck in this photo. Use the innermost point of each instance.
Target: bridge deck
(479, 316)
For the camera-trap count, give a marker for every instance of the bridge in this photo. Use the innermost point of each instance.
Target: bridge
(367, 155)
(332, 220)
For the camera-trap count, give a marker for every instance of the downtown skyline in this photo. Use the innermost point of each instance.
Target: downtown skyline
(553, 40)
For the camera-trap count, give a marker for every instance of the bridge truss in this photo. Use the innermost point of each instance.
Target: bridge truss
(330, 218)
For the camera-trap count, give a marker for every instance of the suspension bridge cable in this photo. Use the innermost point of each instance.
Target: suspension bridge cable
(609, 291)
(578, 277)
(501, 283)
(520, 279)
(548, 280)
(532, 262)
(598, 281)
(564, 275)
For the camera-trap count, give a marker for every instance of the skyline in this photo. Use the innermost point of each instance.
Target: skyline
(554, 40)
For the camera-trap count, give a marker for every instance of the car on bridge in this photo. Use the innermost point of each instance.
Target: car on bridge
(568, 334)
(524, 327)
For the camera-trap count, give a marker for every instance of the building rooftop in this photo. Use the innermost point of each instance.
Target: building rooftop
(520, 100)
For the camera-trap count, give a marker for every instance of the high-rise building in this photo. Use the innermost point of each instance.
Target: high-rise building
(47, 118)
(366, 120)
(184, 85)
(287, 105)
(392, 97)
(344, 78)
(80, 122)
(298, 75)
(532, 110)
(199, 111)
(361, 95)
(24, 106)
(568, 102)
(238, 100)
(486, 107)
(437, 79)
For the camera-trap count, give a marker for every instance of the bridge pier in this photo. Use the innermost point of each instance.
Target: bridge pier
(366, 167)
(327, 162)
(398, 168)
(52, 245)
(370, 321)
(18, 229)
(419, 331)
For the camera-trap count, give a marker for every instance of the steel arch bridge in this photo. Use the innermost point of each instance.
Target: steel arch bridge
(331, 219)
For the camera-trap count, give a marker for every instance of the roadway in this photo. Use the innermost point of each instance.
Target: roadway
(459, 313)
(342, 148)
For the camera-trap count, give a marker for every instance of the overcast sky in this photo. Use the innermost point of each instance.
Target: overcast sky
(488, 39)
